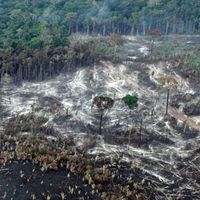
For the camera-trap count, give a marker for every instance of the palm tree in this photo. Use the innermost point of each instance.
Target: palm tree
(168, 83)
(103, 104)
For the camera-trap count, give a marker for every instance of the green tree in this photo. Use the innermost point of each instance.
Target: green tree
(130, 101)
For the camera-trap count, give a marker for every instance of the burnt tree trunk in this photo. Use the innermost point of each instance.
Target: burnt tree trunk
(129, 137)
(167, 103)
(140, 131)
(100, 123)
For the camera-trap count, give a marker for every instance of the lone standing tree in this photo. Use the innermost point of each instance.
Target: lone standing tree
(102, 103)
(168, 83)
(131, 102)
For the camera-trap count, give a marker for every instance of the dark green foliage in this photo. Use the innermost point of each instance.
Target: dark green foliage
(1, 44)
(130, 101)
(16, 44)
(59, 42)
(35, 43)
(25, 20)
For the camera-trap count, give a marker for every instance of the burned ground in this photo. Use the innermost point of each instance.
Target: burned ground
(163, 151)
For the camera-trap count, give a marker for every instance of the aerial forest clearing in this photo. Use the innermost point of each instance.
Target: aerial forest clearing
(104, 105)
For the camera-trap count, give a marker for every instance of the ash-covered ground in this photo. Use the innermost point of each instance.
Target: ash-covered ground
(167, 150)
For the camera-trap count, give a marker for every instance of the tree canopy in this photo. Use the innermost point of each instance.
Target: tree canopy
(35, 23)
(130, 101)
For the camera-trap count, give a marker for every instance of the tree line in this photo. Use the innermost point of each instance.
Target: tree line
(37, 23)
(47, 62)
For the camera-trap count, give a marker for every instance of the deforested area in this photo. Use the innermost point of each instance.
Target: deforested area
(100, 100)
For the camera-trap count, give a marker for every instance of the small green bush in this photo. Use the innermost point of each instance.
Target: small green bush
(130, 101)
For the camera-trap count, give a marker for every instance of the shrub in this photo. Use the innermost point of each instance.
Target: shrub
(130, 101)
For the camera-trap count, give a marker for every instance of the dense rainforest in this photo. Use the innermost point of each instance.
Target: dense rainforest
(37, 23)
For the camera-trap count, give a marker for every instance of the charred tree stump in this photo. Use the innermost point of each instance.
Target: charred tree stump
(100, 123)
(140, 132)
(167, 104)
